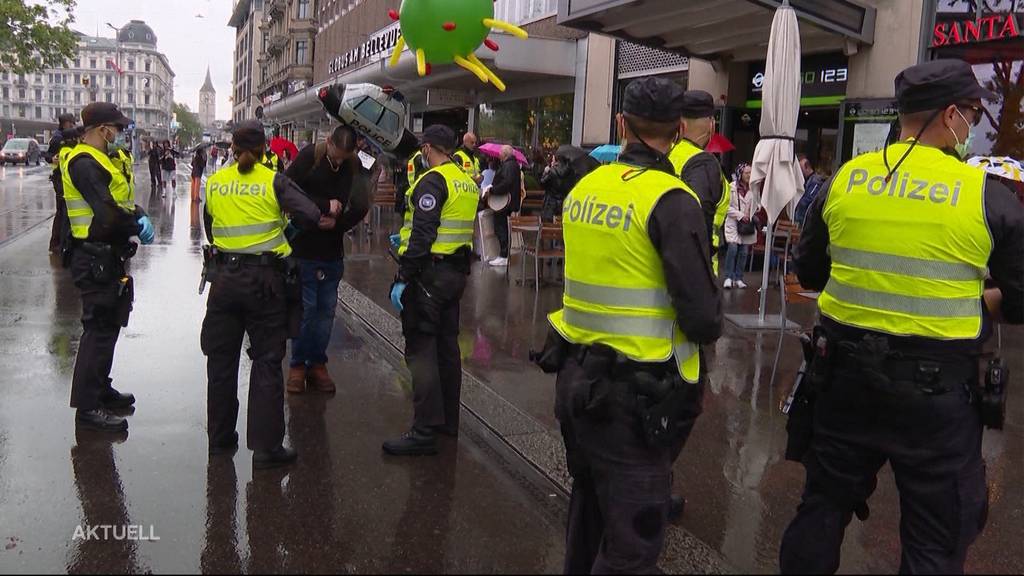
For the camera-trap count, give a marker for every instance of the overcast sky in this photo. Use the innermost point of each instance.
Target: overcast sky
(189, 42)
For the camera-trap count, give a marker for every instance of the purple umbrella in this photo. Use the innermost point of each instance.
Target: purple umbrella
(494, 150)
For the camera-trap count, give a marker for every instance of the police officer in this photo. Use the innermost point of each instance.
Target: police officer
(103, 217)
(434, 258)
(640, 300)
(251, 294)
(63, 140)
(465, 158)
(699, 169)
(900, 243)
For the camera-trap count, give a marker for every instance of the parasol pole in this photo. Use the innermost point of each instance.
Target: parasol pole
(764, 273)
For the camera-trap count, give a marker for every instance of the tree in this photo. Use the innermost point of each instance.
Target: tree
(1009, 125)
(34, 37)
(189, 130)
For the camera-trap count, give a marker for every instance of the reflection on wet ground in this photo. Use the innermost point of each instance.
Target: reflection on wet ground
(343, 508)
(741, 492)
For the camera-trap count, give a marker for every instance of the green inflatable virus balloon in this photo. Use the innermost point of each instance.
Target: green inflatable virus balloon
(446, 31)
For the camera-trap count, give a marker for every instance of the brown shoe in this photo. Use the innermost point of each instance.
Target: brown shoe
(297, 380)
(319, 380)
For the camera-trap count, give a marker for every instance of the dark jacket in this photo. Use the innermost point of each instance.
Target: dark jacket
(508, 180)
(198, 163)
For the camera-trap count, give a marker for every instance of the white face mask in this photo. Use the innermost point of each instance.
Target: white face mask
(963, 149)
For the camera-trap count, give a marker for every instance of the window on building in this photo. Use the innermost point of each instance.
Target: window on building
(21, 93)
(147, 99)
(7, 111)
(108, 80)
(131, 63)
(5, 92)
(39, 112)
(147, 65)
(108, 96)
(78, 79)
(300, 52)
(131, 97)
(78, 96)
(303, 9)
(131, 81)
(3, 76)
(78, 62)
(21, 111)
(39, 78)
(39, 95)
(92, 63)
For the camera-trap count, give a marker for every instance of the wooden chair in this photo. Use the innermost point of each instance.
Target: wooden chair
(383, 199)
(533, 202)
(548, 246)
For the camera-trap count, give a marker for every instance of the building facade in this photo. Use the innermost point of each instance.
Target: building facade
(128, 71)
(207, 102)
(246, 18)
(286, 58)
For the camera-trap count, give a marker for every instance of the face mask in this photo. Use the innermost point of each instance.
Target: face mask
(963, 149)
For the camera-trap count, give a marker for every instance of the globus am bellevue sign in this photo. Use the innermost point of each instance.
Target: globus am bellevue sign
(990, 28)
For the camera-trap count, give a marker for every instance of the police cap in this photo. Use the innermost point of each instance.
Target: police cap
(937, 84)
(249, 135)
(698, 104)
(99, 113)
(439, 135)
(655, 99)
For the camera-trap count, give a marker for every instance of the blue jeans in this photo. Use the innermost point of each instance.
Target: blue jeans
(735, 260)
(319, 299)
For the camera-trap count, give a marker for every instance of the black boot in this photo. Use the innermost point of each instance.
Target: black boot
(413, 443)
(446, 430)
(276, 458)
(100, 421)
(226, 448)
(114, 400)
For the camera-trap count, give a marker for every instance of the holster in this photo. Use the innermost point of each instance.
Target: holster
(666, 404)
(210, 264)
(107, 261)
(593, 396)
(992, 398)
(815, 375)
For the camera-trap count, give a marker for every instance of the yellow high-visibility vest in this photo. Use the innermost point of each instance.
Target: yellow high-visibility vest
(246, 216)
(80, 213)
(909, 254)
(269, 160)
(123, 161)
(411, 171)
(680, 155)
(615, 290)
(457, 215)
(469, 165)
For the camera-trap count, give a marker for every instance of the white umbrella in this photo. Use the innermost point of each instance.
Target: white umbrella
(775, 174)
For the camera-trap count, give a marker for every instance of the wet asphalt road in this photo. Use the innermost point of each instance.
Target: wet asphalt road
(343, 508)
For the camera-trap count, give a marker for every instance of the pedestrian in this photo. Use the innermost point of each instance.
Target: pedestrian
(434, 249)
(466, 158)
(640, 300)
(198, 167)
(61, 144)
(558, 179)
(699, 169)
(740, 227)
(169, 166)
(156, 179)
(328, 171)
(103, 218)
(900, 245)
(251, 293)
(507, 182)
(812, 185)
(214, 156)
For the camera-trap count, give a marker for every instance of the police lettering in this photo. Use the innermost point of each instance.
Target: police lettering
(460, 186)
(598, 214)
(237, 189)
(901, 185)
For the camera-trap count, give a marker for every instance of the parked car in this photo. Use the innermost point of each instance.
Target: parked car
(18, 150)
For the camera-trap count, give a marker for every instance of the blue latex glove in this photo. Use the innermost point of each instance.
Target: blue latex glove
(396, 295)
(396, 240)
(148, 233)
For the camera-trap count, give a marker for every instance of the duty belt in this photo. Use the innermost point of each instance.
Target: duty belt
(904, 372)
(266, 260)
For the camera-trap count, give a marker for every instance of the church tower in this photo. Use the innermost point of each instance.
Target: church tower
(207, 102)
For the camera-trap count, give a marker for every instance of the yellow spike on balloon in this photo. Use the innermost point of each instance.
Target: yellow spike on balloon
(399, 46)
(506, 27)
(468, 65)
(490, 74)
(421, 62)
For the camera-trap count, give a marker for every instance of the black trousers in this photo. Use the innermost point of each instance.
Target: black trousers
(103, 314)
(246, 300)
(430, 324)
(155, 176)
(622, 486)
(60, 218)
(501, 231)
(933, 444)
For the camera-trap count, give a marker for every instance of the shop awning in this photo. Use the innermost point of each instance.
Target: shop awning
(720, 29)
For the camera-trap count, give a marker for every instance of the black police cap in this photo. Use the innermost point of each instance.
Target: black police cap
(937, 84)
(655, 99)
(100, 113)
(439, 135)
(249, 135)
(697, 104)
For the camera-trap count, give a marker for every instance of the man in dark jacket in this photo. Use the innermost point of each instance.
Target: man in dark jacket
(63, 137)
(508, 181)
(153, 158)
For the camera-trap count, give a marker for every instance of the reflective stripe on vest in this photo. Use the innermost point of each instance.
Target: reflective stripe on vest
(471, 166)
(909, 254)
(458, 215)
(680, 155)
(246, 216)
(80, 214)
(410, 168)
(615, 291)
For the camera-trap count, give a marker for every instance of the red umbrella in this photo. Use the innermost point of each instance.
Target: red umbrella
(279, 145)
(719, 145)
